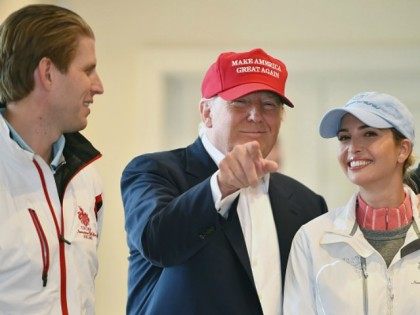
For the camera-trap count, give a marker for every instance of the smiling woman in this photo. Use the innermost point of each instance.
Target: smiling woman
(373, 242)
(368, 155)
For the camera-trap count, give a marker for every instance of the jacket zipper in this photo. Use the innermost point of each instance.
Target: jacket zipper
(365, 287)
(61, 242)
(44, 246)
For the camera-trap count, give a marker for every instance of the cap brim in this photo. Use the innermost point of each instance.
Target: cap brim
(243, 89)
(330, 123)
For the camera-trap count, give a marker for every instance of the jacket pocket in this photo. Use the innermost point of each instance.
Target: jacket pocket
(45, 252)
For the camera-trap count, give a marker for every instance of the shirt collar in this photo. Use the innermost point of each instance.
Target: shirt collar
(215, 154)
(57, 147)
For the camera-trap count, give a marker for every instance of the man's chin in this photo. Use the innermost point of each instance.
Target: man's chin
(78, 128)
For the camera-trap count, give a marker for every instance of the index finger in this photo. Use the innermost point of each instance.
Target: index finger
(253, 150)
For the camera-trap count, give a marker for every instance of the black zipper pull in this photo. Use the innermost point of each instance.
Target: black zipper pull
(62, 239)
(44, 278)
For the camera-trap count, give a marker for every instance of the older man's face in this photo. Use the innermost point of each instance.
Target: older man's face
(252, 117)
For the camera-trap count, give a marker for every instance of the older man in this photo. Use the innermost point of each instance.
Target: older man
(50, 192)
(209, 226)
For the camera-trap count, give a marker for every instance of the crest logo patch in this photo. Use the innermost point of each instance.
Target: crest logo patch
(84, 229)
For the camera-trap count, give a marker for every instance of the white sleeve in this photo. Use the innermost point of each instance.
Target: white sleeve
(299, 288)
(99, 199)
(222, 205)
(100, 218)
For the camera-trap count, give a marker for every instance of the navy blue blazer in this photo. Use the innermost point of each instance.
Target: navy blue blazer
(184, 257)
(415, 179)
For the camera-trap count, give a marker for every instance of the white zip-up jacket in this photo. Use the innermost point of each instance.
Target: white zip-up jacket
(48, 232)
(332, 269)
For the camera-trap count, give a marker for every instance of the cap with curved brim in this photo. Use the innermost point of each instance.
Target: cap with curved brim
(243, 89)
(331, 122)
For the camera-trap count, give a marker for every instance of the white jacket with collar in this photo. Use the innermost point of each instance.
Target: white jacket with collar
(48, 244)
(332, 269)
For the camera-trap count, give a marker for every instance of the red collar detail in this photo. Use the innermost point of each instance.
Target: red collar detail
(383, 219)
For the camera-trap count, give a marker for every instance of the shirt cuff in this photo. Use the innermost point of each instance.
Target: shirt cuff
(222, 205)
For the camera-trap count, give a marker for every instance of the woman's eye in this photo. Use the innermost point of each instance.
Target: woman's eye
(371, 134)
(343, 137)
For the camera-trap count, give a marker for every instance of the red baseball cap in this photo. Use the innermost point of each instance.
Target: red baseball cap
(236, 74)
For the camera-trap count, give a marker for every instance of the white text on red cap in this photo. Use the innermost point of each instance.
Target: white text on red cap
(256, 69)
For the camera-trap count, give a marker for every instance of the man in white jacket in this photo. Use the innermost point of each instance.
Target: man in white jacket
(50, 193)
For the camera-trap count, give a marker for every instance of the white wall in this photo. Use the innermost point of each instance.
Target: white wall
(333, 50)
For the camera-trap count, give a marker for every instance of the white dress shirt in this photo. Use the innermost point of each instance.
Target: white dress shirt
(259, 230)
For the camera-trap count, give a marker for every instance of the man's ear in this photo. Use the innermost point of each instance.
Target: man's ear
(405, 150)
(205, 111)
(43, 73)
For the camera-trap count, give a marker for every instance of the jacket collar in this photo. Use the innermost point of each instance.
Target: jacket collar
(78, 153)
(10, 147)
(346, 230)
(198, 162)
(76, 145)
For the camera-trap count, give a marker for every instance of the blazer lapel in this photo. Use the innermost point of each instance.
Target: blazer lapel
(198, 162)
(286, 218)
(200, 166)
(233, 232)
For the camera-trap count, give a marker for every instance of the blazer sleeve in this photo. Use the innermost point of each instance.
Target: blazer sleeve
(167, 218)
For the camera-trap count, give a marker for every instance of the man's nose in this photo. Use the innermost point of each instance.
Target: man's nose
(254, 113)
(97, 86)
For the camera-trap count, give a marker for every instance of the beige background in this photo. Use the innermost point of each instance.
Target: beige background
(152, 56)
